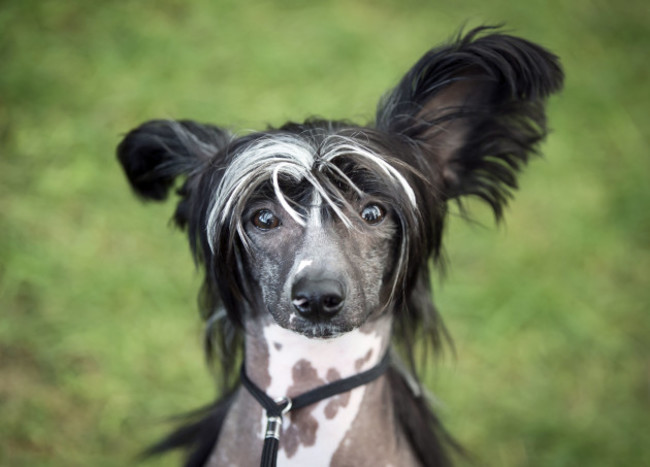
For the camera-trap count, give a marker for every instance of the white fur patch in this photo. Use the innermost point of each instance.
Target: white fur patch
(303, 264)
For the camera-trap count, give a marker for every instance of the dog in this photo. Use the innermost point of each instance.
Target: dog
(316, 240)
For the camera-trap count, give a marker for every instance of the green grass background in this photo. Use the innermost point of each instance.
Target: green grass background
(99, 334)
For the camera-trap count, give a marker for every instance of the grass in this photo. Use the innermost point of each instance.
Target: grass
(99, 336)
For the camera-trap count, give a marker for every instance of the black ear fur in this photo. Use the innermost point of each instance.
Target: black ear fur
(475, 109)
(158, 151)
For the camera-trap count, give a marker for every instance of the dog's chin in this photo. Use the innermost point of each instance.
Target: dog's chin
(318, 330)
(323, 330)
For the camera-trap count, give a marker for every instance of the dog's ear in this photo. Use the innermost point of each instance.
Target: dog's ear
(154, 154)
(474, 110)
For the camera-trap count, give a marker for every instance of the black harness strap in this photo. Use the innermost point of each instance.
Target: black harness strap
(276, 409)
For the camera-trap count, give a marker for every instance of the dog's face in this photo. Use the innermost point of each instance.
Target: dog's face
(319, 225)
(321, 278)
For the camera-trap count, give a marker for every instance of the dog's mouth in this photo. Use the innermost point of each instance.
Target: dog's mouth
(323, 331)
(315, 328)
(320, 329)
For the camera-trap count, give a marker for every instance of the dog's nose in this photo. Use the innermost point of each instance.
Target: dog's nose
(317, 298)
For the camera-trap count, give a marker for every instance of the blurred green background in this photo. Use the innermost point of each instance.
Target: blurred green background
(100, 340)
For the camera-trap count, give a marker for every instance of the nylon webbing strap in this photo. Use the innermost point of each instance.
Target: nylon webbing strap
(276, 409)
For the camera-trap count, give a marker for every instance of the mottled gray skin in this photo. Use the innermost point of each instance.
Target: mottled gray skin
(361, 258)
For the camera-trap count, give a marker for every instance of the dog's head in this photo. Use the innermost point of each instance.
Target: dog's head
(322, 226)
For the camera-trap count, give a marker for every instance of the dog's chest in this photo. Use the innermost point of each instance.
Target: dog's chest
(312, 439)
(319, 434)
(298, 365)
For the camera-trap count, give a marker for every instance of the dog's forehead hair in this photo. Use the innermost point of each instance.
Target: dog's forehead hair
(273, 158)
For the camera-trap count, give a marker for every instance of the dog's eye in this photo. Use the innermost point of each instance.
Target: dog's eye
(265, 220)
(373, 214)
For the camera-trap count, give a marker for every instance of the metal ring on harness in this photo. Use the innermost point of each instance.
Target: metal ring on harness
(274, 422)
(287, 407)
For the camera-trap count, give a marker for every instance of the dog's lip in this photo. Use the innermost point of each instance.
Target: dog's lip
(325, 333)
(323, 330)
(319, 330)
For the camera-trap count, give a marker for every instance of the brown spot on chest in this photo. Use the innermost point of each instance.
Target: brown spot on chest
(335, 402)
(359, 362)
(305, 377)
(301, 431)
(332, 375)
(303, 426)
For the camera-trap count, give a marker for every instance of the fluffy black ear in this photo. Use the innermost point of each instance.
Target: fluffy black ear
(157, 152)
(475, 110)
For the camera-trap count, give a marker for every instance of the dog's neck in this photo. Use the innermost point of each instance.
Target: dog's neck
(357, 427)
(341, 430)
(286, 364)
